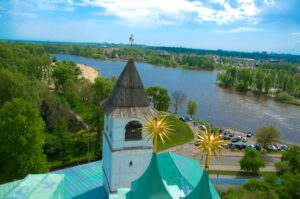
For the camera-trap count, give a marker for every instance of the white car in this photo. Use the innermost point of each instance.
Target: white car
(244, 139)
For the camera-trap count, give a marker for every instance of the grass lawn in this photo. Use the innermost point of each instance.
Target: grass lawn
(180, 135)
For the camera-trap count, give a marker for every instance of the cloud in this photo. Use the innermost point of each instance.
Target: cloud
(269, 2)
(33, 6)
(239, 30)
(296, 33)
(153, 12)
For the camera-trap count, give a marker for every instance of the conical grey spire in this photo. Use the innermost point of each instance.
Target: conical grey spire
(128, 91)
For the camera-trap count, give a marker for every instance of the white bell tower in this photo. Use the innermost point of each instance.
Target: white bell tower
(126, 149)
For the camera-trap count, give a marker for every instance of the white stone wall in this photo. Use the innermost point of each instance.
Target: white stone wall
(122, 173)
(116, 162)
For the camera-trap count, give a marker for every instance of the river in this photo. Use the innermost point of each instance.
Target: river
(216, 105)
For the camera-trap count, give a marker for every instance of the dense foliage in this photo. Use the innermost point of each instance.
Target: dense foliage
(252, 161)
(141, 54)
(50, 116)
(284, 184)
(267, 135)
(21, 140)
(192, 108)
(285, 84)
(159, 97)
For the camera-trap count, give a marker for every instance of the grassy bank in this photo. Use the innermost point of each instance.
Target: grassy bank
(181, 134)
(286, 98)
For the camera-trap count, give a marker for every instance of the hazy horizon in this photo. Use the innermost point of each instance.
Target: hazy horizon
(233, 25)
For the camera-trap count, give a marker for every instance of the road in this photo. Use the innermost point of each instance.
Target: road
(229, 161)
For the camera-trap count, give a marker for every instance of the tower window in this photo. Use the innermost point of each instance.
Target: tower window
(133, 130)
(130, 163)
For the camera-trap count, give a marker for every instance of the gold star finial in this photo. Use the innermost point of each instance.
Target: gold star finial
(209, 143)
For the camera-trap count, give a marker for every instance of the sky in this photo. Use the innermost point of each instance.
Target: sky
(242, 25)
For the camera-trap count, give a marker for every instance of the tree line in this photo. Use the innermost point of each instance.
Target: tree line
(284, 83)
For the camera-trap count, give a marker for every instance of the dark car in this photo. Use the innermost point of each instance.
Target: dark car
(234, 139)
(238, 146)
(231, 146)
(231, 134)
(196, 123)
(226, 132)
(257, 147)
(202, 127)
(226, 138)
(182, 119)
(250, 134)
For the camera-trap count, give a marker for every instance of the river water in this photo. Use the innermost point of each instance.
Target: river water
(216, 105)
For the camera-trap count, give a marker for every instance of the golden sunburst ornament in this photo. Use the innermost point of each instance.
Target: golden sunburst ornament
(158, 127)
(209, 143)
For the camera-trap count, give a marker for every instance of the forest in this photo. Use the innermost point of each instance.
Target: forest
(283, 81)
(50, 116)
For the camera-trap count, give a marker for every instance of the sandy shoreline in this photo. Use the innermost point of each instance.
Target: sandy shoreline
(89, 72)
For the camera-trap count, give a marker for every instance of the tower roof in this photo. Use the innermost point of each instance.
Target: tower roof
(128, 91)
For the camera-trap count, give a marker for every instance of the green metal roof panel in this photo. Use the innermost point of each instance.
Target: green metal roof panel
(150, 184)
(171, 173)
(37, 186)
(51, 187)
(5, 188)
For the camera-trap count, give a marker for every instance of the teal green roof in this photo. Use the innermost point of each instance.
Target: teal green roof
(171, 176)
(150, 184)
(46, 186)
(203, 189)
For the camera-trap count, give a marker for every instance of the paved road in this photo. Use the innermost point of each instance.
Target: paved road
(229, 161)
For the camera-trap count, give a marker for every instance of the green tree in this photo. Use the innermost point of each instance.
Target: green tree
(159, 98)
(292, 157)
(178, 99)
(102, 88)
(192, 107)
(267, 135)
(252, 161)
(64, 137)
(21, 141)
(16, 85)
(64, 71)
(290, 184)
(86, 137)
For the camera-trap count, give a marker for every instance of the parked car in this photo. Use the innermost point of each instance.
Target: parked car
(182, 119)
(188, 118)
(250, 134)
(284, 147)
(202, 127)
(226, 138)
(196, 123)
(235, 139)
(231, 146)
(272, 148)
(237, 146)
(239, 137)
(226, 132)
(251, 146)
(231, 134)
(257, 147)
(244, 139)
